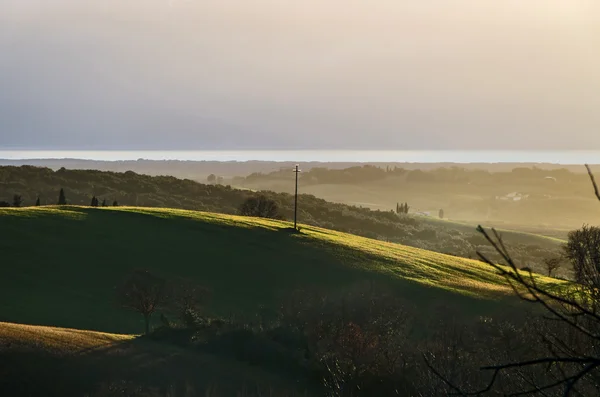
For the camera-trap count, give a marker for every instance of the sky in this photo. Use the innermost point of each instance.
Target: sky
(310, 74)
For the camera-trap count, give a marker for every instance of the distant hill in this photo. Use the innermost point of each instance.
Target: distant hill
(524, 198)
(199, 170)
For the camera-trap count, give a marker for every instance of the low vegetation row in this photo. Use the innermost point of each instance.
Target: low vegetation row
(455, 175)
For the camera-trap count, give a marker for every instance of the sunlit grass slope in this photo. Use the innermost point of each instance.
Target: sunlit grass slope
(57, 340)
(60, 265)
(50, 361)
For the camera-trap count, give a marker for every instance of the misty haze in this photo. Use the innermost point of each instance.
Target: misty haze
(319, 198)
(266, 74)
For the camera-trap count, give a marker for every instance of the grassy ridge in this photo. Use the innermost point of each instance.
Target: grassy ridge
(167, 192)
(61, 264)
(58, 340)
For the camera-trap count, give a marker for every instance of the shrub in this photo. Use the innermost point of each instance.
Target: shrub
(261, 207)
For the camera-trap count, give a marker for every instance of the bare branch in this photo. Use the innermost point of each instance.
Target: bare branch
(596, 192)
(536, 292)
(552, 360)
(443, 379)
(570, 304)
(571, 383)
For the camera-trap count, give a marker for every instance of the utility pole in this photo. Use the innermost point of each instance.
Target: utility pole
(296, 171)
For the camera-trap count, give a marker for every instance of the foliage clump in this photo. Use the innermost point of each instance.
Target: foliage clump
(261, 207)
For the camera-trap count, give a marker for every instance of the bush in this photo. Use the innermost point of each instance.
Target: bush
(192, 319)
(261, 207)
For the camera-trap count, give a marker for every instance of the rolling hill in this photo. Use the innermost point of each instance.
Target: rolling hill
(526, 197)
(61, 264)
(131, 189)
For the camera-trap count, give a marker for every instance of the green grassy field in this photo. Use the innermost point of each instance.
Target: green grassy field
(509, 235)
(61, 264)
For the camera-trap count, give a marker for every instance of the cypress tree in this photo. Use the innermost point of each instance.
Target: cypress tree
(62, 200)
(115, 203)
(104, 204)
(94, 202)
(37, 202)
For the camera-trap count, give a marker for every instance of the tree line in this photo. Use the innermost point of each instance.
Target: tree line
(402, 208)
(454, 174)
(62, 200)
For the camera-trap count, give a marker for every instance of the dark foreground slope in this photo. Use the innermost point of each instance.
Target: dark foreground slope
(61, 264)
(47, 361)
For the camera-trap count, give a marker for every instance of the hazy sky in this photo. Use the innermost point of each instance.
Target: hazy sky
(262, 74)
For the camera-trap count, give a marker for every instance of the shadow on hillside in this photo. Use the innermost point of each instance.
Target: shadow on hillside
(245, 267)
(119, 370)
(290, 230)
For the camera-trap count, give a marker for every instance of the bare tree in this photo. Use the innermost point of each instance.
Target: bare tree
(187, 299)
(571, 333)
(552, 264)
(143, 292)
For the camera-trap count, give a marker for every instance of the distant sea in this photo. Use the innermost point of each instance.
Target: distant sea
(384, 156)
